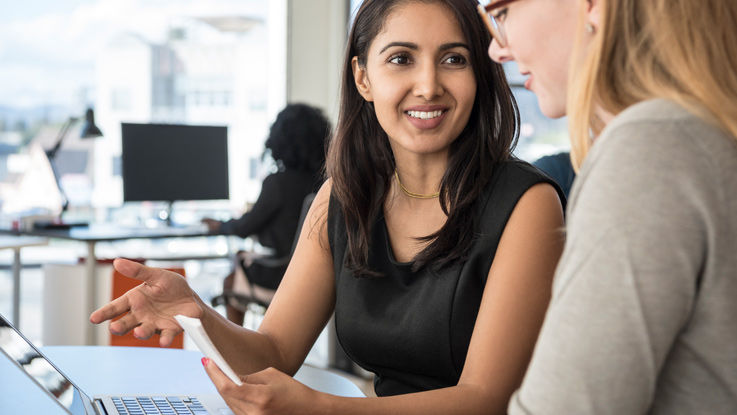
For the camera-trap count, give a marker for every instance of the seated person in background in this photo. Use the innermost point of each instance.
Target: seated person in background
(297, 143)
(559, 168)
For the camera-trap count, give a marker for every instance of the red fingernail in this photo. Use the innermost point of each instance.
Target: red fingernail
(205, 361)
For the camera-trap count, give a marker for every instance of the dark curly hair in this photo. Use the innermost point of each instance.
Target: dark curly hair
(297, 138)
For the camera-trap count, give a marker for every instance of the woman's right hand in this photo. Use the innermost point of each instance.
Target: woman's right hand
(212, 224)
(152, 305)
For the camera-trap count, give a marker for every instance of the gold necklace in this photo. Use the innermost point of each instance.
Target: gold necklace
(411, 194)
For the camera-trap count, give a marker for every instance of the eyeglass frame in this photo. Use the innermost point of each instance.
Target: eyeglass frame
(485, 12)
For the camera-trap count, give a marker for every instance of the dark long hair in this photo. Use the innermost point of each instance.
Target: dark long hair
(361, 163)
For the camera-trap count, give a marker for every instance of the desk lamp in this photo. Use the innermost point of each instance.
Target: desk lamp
(89, 130)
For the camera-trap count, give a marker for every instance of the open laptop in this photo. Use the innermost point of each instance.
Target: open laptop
(73, 400)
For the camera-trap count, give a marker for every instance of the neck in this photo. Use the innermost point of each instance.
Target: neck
(416, 178)
(604, 116)
(412, 194)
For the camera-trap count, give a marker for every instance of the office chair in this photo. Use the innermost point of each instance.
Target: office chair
(258, 296)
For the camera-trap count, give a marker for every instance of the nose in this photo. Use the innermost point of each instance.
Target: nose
(427, 83)
(499, 54)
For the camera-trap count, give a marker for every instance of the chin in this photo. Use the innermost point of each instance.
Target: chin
(552, 109)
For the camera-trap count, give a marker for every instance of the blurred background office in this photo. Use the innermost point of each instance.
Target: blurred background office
(227, 63)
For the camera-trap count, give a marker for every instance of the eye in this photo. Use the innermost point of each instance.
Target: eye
(455, 60)
(400, 59)
(500, 15)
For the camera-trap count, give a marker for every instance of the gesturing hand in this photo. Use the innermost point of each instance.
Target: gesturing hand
(151, 306)
(263, 393)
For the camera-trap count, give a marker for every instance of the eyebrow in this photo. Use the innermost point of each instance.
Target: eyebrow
(413, 46)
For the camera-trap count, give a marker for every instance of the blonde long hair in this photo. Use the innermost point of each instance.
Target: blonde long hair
(682, 50)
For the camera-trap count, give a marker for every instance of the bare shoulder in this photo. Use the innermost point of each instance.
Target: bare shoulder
(535, 226)
(323, 195)
(317, 217)
(319, 208)
(540, 200)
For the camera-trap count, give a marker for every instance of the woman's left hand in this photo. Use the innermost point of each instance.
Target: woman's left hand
(263, 393)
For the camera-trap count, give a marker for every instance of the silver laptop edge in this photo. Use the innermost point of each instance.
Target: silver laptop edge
(100, 405)
(86, 401)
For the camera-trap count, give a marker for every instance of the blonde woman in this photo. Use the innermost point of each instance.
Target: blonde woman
(642, 318)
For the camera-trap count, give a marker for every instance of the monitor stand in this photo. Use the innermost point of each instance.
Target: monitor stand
(165, 214)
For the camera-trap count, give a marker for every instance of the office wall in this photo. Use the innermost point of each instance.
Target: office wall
(317, 32)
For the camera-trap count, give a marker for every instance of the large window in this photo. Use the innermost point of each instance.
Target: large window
(539, 135)
(216, 62)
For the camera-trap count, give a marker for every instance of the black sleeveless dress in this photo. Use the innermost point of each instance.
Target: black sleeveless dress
(412, 329)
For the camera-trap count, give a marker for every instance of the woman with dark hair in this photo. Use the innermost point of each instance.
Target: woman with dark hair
(432, 245)
(296, 142)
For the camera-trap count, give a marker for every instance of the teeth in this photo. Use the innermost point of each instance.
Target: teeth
(424, 115)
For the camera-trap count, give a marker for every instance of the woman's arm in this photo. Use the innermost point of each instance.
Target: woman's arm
(299, 310)
(512, 310)
(301, 307)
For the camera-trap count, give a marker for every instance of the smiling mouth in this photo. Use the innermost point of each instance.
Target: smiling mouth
(425, 115)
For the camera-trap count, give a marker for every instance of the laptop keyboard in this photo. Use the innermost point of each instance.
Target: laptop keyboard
(170, 405)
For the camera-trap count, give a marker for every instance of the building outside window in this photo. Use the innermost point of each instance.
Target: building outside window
(219, 62)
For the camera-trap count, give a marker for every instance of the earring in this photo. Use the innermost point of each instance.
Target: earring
(590, 28)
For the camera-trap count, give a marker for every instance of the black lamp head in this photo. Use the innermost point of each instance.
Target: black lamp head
(89, 129)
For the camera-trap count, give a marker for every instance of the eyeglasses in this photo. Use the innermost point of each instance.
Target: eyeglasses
(494, 14)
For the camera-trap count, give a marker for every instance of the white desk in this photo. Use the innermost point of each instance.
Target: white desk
(16, 243)
(102, 370)
(95, 233)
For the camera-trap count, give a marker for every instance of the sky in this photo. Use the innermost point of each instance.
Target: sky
(38, 7)
(48, 48)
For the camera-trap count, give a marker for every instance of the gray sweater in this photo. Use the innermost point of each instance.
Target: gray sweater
(643, 317)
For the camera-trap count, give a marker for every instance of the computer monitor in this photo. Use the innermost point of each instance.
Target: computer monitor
(169, 162)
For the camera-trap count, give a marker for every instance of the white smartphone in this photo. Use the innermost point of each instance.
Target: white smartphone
(195, 331)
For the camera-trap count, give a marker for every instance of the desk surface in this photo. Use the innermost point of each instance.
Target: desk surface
(91, 235)
(111, 232)
(7, 242)
(100, 370)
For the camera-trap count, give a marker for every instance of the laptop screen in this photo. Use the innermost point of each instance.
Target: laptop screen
(17, 348)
